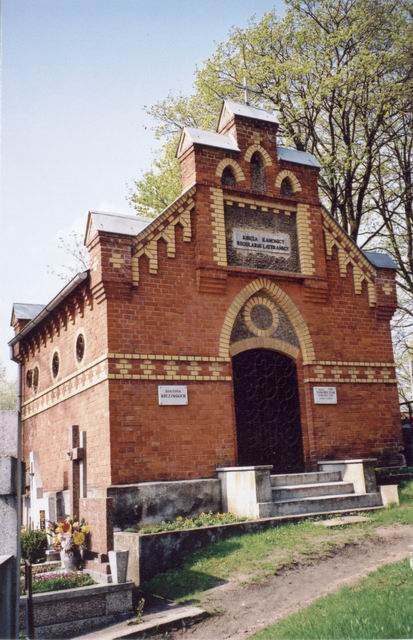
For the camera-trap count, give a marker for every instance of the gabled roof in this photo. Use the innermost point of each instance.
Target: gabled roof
(115, 223)
(299, 157)
(381, 260)
(230, 108)
(190, 136)
(26, 310)
(45, 309)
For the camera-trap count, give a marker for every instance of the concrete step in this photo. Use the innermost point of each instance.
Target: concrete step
(287, 479)
(298, 491)
(320, 504)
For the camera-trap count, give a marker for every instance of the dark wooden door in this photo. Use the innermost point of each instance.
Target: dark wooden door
(267, 410)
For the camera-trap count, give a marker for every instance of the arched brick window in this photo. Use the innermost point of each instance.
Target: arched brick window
(257, 172)
(228, 177)
(36, 378)
(80, 347)
(55, 364)
(286, 187)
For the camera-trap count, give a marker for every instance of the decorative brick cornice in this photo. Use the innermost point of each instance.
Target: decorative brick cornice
(163, 228)
(131, 366)
(349, 253)
(334, 372)
(90, 375)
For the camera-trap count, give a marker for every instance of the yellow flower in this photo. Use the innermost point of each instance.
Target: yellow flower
(85, 529)
(78, 537)
(58, 530)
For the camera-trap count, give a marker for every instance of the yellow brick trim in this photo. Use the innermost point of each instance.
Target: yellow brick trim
(213, 378)
(280, 298)
(116, 260)
(264, 343)
(345, 363)
(295, 183)
(305, 240)
(144, 356)
(229, 162)
(266, 302)
(86, 378)
(353, 380)
(257, 147)
(349, 253)
(219, 244)
(148, 246)
(265, 206)
(324, 371)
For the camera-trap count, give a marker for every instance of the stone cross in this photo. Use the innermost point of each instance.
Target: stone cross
(77, 468)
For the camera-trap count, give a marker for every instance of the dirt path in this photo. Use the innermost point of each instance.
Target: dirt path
(248, 608)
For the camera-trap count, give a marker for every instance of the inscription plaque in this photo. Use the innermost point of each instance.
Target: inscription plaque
(261, 242)
(325, 395)
(172, 394)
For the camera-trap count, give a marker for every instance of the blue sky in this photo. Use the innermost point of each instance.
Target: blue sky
(76, 76)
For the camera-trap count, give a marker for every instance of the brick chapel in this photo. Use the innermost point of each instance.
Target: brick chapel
(240, 327)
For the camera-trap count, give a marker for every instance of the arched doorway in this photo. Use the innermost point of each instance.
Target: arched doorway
(267, 410)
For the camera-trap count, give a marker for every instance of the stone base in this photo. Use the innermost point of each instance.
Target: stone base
(64, 614)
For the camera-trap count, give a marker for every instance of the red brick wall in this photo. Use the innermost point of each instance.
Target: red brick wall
(60, 402)
(173, 313)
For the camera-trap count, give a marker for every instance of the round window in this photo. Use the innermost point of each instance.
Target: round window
(29, 378)
(36, 378)
(80, 347)
(55, 364)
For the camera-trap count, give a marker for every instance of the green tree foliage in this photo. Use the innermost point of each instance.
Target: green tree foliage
(7, 392)
(338, 72)
(340, 75)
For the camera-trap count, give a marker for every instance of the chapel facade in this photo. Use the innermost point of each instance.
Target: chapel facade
(242, 326)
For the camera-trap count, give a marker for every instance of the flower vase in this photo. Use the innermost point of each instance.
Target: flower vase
(71, 559)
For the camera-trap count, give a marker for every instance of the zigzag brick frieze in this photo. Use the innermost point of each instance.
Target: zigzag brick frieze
(349, 253)
(163, 228)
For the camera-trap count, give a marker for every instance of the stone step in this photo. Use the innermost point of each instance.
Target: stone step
(298, 491)
(287, 479)
(320, 504)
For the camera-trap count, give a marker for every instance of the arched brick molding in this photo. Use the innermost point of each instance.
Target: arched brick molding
(264, 343)
(288, 174)
(257, 147)
(229, 162)
(287, 305)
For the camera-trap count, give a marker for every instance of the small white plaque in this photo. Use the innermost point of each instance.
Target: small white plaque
(325, 395)
(172, 394)
(261, 242)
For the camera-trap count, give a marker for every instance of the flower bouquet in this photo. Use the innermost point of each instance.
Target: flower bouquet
(70, 537)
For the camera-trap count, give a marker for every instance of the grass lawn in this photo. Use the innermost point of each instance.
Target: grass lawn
(254, 557)
(379, 606)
